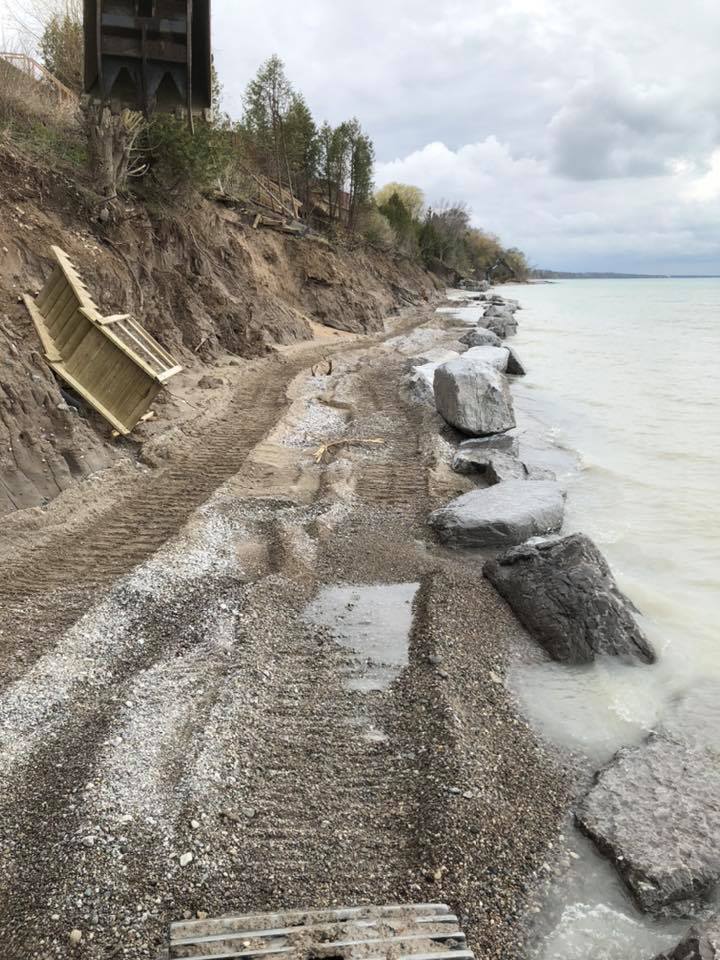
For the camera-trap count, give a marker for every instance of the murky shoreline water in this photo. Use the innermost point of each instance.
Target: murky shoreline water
(621, 386)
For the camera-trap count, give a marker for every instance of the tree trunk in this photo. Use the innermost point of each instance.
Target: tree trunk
(111, 137)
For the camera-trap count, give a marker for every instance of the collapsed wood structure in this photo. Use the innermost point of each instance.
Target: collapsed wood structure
(423, 931)
(112, 362)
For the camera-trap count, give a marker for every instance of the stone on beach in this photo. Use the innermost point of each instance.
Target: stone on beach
(497, 357)
(504, 326)
(515, 368)
(481, 337)
(506, 514)
(496, 464)
(421, 377)
(701, 943)
(473, 456)
(565, 595)
(499, 310)
(473, 397)
(655, 812)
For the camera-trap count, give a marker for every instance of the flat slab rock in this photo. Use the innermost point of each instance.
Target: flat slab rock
(655, 812)
(473, 456)
(565, 595)
(701, 943)
(506, 514)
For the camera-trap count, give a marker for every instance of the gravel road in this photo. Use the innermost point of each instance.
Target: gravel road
(180, 736)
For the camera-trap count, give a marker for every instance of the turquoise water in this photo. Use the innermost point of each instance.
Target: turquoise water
(624, 373)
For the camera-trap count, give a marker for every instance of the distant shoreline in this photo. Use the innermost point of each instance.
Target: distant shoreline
(562, 275)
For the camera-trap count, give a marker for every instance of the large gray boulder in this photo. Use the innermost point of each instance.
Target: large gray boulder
(500, 516)
(496, 463)
(655, 812)
(514, 367)
(474, 456)
(473, 397)
(481, 337)
(564, 593)
(504, 326)
(498, 310)
(497, 357)
(701, 943)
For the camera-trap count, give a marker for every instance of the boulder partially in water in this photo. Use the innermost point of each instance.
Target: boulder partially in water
(514, 367)
(473, 397)
(503, 324)
(701, 943)
(500, 516)
(497, 357)
(655, 812)
(564, 593)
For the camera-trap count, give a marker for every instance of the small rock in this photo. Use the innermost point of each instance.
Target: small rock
(75, 937)
(186, 859)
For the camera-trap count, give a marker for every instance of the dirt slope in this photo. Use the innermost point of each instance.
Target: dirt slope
(203, 282)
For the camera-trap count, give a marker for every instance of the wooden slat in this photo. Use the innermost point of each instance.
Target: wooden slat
(260, 921)
(79, 388)
(57, 276)
(48, 346)
(303, 933)
(157, 347)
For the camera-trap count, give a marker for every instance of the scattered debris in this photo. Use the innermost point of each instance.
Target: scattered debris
(322, 451)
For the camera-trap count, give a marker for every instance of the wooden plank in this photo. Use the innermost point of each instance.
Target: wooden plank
(52, 313)
(53, 297)
(106, 321)
(79, 388)
(59, 332)
(260, 921)
(158, 348)
(166, 374)
(74, 333)
(56, 276)
(48, 346)
(151, 357)
(305, 933)
(124, 348)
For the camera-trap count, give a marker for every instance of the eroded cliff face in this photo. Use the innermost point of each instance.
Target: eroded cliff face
(205, 283)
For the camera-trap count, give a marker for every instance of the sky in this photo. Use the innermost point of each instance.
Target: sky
(585, 132)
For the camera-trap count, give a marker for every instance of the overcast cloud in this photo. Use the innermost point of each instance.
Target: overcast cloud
(586, 132)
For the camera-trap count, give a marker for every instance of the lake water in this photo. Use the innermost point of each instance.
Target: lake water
(624, 374)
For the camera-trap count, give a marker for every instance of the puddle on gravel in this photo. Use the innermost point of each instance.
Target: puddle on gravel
(373, 621)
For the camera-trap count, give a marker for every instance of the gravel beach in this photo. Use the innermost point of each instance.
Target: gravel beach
(180, 735)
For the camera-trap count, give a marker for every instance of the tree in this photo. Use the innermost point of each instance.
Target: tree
(404, 226)
(267, 101)
(412, 197)
(61, 45)
(303, 148)
(333, 166)
(361, 160)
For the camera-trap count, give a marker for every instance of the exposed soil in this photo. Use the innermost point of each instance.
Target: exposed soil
(164, 690)
(207, 285)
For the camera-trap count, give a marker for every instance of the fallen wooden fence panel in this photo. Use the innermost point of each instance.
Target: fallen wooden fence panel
(112, 362)
(424, 931)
